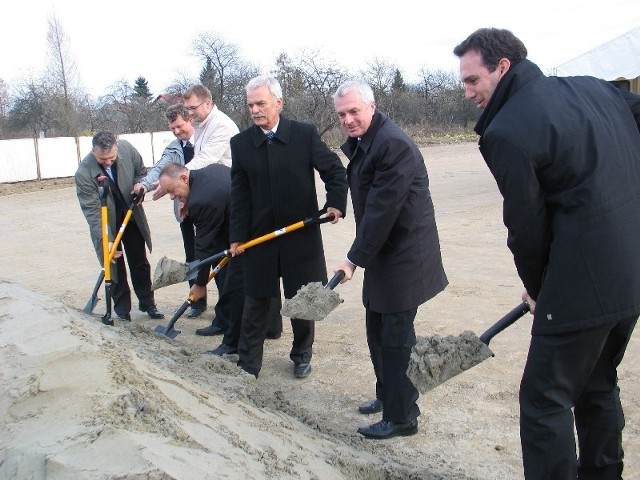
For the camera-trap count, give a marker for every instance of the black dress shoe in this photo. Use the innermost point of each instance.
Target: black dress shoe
(125, 317)
(387, 429)
(372, 406)
(223, 350)
(195, 312)
(153, 312)
(302, 370)
(209, 331)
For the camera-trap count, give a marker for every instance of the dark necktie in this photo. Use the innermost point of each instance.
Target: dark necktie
(188, 151)
(270, 134)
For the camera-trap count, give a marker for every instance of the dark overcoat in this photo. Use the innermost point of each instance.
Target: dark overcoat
(396, 238)
(565, 153)
(273, 186)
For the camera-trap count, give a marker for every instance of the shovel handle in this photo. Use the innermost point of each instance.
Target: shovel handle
(509, 319)
(337, 278)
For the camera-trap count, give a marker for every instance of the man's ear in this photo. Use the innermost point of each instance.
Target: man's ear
(503, 66)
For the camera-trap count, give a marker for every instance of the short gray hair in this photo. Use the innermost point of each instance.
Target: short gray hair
(360, 87)
(262, 80)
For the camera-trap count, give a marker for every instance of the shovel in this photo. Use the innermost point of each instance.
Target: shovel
(93, 300)
(169, 331)
(436, 359)
(313, 301)
(169, 272)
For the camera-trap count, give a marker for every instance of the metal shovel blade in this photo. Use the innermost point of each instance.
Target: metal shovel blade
(313, 301)
(169, 272)
(169, 331)
(436, 359)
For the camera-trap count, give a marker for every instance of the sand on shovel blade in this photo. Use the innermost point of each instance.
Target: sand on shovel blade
(436, 359)
(312, 302)
(169, 272)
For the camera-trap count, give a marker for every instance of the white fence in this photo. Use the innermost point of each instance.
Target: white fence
(43, 158)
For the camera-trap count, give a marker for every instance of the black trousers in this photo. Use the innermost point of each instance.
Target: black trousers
(188, 240)
(255, 323)
(574, 370)
(390, 337)
(139, 268)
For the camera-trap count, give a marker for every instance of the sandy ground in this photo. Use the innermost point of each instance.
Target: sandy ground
(79, 400)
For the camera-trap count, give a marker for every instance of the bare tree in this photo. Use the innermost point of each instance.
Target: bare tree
(219, 57)
(310, 82)
(5, 103)
(61, 77)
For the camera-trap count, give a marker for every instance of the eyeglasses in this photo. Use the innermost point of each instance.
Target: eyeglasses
(191, 109)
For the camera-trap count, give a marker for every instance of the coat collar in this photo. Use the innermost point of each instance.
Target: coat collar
(283, 134)
(515, 79)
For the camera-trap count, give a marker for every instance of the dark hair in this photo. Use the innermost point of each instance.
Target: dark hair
(103, 140)
(175, 111)
(493, 44)
(172, 170)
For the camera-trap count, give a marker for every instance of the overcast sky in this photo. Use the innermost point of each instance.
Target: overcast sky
(121, 40)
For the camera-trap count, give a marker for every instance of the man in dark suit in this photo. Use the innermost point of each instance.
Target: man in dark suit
(565, 153)
(273, 185)
(121, 163)
(396, 243)
(205, 194)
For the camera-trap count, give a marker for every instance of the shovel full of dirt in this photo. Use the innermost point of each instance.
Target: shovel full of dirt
(313, 301)
(169, 272)
(436, 359)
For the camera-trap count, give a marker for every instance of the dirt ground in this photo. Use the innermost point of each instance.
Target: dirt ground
(81, 400)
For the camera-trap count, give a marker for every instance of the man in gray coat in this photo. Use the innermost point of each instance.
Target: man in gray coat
(121, 163)
(565, 153)
(396, 243)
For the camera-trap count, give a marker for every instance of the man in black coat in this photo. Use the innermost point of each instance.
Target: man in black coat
(273, 186)
(565, 153)
(396, 243)
(205, 195)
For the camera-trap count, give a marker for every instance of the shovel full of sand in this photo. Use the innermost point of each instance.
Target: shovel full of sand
(313, 301)
(436, 359)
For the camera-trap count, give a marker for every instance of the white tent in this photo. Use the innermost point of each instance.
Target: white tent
(618, 58)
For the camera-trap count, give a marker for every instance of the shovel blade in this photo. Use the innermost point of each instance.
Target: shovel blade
(167, 331)
(169, 272)
(436, 359)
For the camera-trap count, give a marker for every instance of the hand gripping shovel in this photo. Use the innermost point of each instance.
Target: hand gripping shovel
(313, 301)
(169, 331)
(93, 300)
(169, 272)
(436, 359)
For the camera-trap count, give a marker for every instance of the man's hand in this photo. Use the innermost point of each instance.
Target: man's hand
(118, 253)
(136, 189)
(532, 303)
(235, 249)
(158, 192)
(197, 291)
(348, 269)
(335, 213)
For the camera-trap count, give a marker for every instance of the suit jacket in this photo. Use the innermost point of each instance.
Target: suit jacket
(273, 186)
(565, 153)
(397, 239)
(130, 170)
(208, 207)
